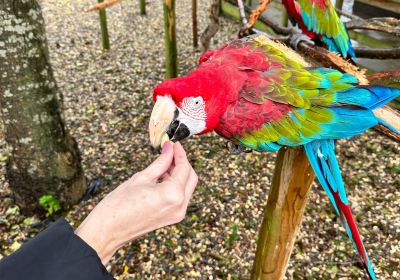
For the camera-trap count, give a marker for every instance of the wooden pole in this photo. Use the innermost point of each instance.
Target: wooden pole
(171, 68)
(142, 7)
(194, 23)
(287, 199)
(103, 25)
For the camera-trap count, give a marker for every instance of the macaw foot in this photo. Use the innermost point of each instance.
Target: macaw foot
(237, 149)
(297, 37)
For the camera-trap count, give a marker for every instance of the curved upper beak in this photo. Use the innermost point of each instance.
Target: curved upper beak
(164, 123)
(160, 119)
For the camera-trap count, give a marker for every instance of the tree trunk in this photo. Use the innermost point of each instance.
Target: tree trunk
(212, 27)
(44, 158)
(171, 65)
(287, 199)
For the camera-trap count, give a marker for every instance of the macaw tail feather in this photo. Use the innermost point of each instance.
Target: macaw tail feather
(337, 46)
(321, 154)
(369, 97)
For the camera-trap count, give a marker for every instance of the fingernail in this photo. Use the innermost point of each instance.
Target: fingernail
(167, 147)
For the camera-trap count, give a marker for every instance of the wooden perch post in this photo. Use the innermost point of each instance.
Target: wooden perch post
(194, 23)
(171, 65)
(283, 214)
(142, 7)
(103, 25)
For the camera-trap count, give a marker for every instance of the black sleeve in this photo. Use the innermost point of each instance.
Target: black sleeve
(56, 253)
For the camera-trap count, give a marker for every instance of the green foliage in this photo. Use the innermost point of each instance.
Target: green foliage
(13, 211)
(49, 203)
(233, 236)
(3, 157)
(395, 169)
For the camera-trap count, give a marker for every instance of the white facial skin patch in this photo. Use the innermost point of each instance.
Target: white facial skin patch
(193, 114)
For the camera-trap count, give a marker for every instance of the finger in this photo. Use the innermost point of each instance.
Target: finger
(182, 168)
(162, 163)
(190, 186)
(167, 174)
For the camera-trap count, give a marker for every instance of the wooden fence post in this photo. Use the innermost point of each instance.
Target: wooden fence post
(194, 23)
(103, 25)
(171, 68)
(287, 199)
(142, 7)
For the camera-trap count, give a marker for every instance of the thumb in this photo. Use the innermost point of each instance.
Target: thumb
(162, 163)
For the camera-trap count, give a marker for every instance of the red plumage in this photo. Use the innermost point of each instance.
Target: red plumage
(220, 79)
(293, 9)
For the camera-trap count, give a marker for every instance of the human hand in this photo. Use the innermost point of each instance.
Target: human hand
(153, 198)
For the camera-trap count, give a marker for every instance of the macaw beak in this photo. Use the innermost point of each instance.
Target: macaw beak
(164, 123)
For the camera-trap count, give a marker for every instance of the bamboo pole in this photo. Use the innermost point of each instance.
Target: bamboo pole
(283, 214)
(142, 7)
(171, 68)
(285, 18)
(339, 4)
(103, 25)
(194, 23)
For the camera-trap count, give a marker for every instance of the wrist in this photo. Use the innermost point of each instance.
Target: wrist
(99, 240)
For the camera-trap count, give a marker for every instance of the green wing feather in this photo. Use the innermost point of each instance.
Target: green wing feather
(320, 17)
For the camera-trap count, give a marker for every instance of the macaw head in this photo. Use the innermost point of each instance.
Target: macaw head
(188, 106)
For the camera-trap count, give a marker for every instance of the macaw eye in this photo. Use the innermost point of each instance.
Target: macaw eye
(197, 101)
(193, 102)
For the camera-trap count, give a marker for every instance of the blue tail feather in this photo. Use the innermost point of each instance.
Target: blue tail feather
(333, 46)
(321, 154)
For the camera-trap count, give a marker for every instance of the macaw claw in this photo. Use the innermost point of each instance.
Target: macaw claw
(237, 149)
(297, 37)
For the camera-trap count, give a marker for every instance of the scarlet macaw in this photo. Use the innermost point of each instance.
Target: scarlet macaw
(319, 21)
(258, 95)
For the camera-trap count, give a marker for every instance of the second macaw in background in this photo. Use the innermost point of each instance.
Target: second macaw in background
(258, 95)
(319, 21)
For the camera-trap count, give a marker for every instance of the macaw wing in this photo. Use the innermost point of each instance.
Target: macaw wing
(295, 106)
(320, 17)
(300, 88)
(255, 53)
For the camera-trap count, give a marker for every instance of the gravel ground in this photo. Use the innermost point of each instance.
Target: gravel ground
(107, 105)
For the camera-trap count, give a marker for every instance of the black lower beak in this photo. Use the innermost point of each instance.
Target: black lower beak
(178, 131)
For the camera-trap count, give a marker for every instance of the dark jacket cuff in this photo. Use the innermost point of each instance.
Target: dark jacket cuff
(55, 253)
